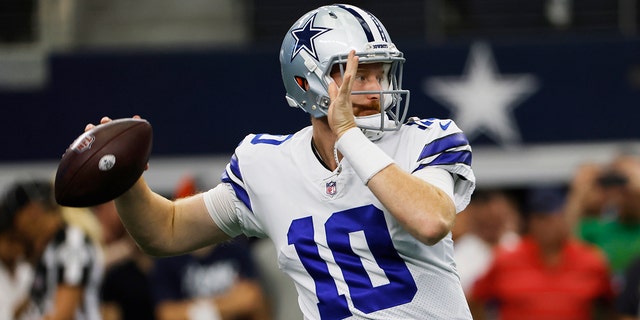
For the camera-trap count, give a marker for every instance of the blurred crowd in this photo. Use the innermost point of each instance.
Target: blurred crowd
(568, 251)
(555, 251)
(80, 263)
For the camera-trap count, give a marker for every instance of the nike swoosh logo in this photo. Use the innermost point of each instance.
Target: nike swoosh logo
(445, 126)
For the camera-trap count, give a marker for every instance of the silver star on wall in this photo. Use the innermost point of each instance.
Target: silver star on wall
(482, 99)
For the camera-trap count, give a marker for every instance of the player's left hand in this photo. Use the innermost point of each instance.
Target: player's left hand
(104, 120)
(340, 114)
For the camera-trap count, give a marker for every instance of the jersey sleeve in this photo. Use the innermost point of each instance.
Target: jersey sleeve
(446, 147)
(230, 204)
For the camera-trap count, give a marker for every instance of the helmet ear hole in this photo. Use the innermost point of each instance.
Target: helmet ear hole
(302, 83)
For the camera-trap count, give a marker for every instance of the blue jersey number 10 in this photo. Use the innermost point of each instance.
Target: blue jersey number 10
(366, 297)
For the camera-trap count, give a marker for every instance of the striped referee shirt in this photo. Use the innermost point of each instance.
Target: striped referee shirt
(71, 258)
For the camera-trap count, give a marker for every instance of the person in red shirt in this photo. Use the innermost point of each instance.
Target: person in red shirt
(549, 274)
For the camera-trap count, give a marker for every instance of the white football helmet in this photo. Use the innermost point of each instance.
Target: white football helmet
(324, 37)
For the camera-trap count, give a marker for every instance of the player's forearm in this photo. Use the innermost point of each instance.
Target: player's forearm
(148, 218)
(574, 209)
(425, 211)
(163, 227)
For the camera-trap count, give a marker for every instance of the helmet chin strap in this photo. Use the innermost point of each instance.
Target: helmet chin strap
(367, 123)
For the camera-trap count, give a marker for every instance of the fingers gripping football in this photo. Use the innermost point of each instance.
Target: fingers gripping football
(103, 162)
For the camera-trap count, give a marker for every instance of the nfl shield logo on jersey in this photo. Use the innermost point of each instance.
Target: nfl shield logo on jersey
(331, 188)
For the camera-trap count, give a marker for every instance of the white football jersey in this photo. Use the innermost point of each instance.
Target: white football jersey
(348, 256)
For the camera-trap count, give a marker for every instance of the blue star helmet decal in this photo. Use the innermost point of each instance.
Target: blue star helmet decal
(305, 36)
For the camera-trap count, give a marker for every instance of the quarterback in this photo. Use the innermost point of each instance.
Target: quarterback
(359, 204)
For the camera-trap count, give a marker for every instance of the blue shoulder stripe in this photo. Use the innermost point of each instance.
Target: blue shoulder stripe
(442, 144)
(453, 158)
(449, 158)
(241, 193)
(235, 167)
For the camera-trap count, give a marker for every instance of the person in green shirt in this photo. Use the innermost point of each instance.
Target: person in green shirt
(604, 207)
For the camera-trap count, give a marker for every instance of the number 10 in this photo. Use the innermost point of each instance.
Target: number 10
(365, 296)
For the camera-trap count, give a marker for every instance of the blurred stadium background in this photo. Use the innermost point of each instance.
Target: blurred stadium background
(539, 86)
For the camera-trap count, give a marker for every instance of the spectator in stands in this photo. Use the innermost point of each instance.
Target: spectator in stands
(215, 282)
(492, 220)
(549, 274)
(616, 228)
(16, 274)
(114, 237)
(126, 291)
(628, 301)
(68, 262)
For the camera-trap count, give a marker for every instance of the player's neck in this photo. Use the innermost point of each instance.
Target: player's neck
(316, 153)
(325, 157)
(322, 144)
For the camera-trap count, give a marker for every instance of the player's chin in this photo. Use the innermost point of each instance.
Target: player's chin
(364, 113)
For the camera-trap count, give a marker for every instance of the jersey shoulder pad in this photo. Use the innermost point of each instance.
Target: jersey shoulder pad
(263, 139)
(442, 125)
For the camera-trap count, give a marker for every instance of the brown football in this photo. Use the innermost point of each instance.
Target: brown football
(103, 163)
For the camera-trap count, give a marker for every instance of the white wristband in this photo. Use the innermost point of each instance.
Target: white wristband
(203, 310)
(363, 155)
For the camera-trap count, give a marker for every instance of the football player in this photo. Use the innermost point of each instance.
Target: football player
(359, 205)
